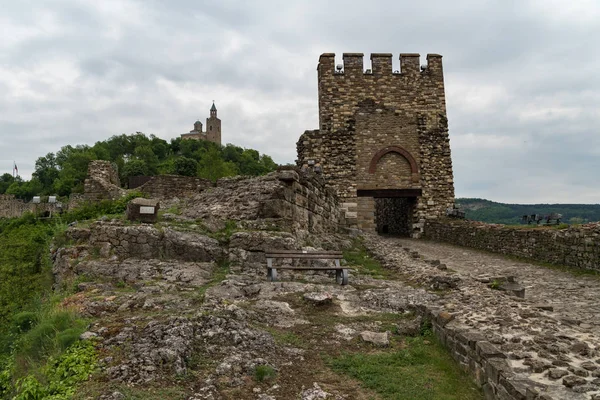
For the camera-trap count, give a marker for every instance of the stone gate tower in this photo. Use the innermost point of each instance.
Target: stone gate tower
(383, 140)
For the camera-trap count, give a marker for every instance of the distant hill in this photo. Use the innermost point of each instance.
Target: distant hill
(502, 213)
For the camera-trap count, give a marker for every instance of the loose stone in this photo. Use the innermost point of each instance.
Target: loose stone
(557, 373)
(572, 380)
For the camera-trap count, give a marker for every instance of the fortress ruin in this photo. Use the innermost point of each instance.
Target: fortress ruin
(383, 140)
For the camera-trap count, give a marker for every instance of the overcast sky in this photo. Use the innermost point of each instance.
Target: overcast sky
(522, 78)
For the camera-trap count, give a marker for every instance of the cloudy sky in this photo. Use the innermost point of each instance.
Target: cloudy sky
(522, 78)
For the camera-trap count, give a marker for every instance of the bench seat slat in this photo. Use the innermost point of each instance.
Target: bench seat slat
(305, 256)
(320, 252)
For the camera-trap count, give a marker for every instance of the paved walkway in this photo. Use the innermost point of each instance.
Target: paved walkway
(574, 299)
(551, 336)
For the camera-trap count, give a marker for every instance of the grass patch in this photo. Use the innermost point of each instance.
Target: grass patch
(285, 337)
(359, 257)
(422, 370)
(224, 234)
(264, 373)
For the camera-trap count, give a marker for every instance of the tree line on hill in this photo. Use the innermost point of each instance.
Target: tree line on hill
(511, 214)
(64, 172)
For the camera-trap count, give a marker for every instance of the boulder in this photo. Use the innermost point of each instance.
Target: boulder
(377, 338)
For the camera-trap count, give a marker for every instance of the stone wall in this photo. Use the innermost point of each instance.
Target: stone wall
(102, 182)
(577, 246)
(287, 199)
(383, 130)
(485, 362)
(146, 242)
(169, 186)
(11, 207)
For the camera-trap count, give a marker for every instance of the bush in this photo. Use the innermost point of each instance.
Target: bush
(264, 372)
(24, 321)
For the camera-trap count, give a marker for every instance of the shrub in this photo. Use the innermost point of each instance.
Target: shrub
(24, 321)
(264, 372)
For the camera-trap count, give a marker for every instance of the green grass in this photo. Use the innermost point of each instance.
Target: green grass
(421, 371)
(285, 337)
(358, 256)
(264, 373)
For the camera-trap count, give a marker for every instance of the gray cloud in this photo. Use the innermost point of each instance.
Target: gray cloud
(521, 78)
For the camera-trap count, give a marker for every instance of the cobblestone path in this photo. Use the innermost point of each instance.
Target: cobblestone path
(574, 299)
(548, 341)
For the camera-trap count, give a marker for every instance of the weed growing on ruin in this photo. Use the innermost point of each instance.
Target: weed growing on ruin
(224, 234)
(426, 327)
(174, 209)
(219, 274)
(495, 285)
(420, 370)
(264, 373)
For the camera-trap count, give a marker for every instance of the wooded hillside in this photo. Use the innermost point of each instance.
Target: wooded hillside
(502, 213)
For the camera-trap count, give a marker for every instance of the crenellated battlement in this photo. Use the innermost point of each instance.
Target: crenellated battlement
(381, 65)
(383, 134)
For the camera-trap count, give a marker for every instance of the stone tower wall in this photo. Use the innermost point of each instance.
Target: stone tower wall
(213, 130)
(381, 129)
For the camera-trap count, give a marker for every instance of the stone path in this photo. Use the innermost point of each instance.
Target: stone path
(549, 340)
(574, 299)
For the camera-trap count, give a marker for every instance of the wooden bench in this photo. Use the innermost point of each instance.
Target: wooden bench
(341, 273)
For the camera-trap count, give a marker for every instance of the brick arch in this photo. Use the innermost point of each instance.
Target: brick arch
(414, 169)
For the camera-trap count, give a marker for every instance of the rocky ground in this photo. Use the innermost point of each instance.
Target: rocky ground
(183, 310)
(210, 329)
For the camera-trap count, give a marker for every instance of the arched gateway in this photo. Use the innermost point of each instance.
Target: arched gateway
(383, 140)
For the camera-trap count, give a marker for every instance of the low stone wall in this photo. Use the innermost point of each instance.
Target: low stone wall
(11, 207)
(485, 362)
(577, 246)
(170, 186)
(146, 242)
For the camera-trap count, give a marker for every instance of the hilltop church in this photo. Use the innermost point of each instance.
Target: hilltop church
(213, 128)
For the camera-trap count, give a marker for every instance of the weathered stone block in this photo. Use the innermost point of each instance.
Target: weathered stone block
(143, 210)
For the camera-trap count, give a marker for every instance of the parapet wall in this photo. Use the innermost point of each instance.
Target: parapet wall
(577, 246)
(410, 89)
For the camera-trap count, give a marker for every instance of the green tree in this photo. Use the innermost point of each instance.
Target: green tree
(46, 171)
(145, 154)
(5, 181)
(185, 166)
(213, 167)
(25, 190)
(134, 168)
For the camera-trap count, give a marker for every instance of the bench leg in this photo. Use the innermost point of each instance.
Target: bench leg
(272, 274)
(341, 276)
